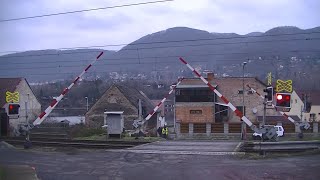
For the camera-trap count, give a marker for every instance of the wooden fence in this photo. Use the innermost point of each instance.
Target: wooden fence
(199, 128)
(184, 128)
(217, 128)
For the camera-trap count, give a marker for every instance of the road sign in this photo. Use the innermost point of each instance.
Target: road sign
(12, 97)
(284, 86)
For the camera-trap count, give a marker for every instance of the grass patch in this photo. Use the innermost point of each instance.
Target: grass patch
(308, 138)
(273, 155)
(83, 131)
(143, 138)
(3, 174)
(100, 137)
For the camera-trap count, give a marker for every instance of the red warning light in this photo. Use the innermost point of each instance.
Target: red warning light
(13, 109)
(287, 98)
(279, 97)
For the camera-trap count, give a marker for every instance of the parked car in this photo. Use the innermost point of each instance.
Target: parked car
(279, 129)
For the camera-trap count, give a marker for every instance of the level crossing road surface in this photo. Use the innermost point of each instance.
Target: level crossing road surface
(119, 165)
(187, 147)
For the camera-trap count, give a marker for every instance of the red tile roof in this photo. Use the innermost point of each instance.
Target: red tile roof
(7, 84)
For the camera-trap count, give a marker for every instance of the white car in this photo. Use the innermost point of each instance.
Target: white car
(279, 129)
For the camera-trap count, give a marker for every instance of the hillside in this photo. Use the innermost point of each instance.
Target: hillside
(289, 52)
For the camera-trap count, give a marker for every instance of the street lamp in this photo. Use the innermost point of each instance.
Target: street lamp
(87, 103)
(243, 125)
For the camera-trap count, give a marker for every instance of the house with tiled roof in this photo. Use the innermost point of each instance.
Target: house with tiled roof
(121, 98)
(30, 107)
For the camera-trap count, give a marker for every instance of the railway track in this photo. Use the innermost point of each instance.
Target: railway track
(90, 144)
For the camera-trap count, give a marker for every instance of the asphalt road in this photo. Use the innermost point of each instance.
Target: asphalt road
(106, 165)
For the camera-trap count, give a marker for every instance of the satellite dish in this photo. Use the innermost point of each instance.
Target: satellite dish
(254, 110)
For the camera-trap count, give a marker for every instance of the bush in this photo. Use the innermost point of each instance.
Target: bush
(84, 131)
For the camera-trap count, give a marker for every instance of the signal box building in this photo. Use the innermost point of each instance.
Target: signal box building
(197, 107)
(17, 91)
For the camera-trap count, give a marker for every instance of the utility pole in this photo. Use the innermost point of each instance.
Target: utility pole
(87, 105)
(26, 105)
(304, 106)
(264, 113)
(243, 111)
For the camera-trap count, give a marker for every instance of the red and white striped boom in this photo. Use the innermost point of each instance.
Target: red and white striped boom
(162, 101)
(55, 102)
(225, 100)
(282, 113)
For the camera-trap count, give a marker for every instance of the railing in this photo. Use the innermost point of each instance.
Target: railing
(285, 146)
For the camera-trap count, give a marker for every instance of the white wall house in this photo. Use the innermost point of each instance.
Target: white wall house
(27, 100)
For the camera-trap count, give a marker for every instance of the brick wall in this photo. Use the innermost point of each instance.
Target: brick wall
(229, 88)
(183, 114)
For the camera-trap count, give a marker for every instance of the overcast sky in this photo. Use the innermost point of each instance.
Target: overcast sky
(126, 24)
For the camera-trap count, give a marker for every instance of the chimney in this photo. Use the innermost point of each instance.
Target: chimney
(210, 76)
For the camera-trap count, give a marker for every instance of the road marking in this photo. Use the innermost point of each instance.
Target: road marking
(178, 152)
(237, 147)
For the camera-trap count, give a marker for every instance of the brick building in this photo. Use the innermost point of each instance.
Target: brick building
(119, 97)
(197, 106)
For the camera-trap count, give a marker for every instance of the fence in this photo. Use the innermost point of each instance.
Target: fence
(184, 128)
(217, 128)
(235, 128)
(199, 128)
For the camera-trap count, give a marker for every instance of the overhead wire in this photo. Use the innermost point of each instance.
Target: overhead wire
(136, 63)
(84, 10)
(173, 41)
(150, 57)
(160, 47)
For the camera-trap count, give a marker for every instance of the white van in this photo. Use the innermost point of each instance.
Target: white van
(279, 129)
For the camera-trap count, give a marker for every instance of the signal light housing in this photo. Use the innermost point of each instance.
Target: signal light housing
(13, 109)
(283, 100)
(269, 95)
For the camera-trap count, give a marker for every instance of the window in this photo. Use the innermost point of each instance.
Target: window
(195, 95)
(296, 101)
(177, 91)
(312, 117)
(221, 113)
(195, 111)
(240, 91)
(240, 109)
(250, 92)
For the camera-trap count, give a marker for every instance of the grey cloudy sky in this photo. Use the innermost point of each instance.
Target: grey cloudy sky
(124, 25)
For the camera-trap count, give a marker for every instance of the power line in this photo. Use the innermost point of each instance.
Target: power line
(176, 41)
(171, 56)
(160, 47)
(137, 63)
(84, 10)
